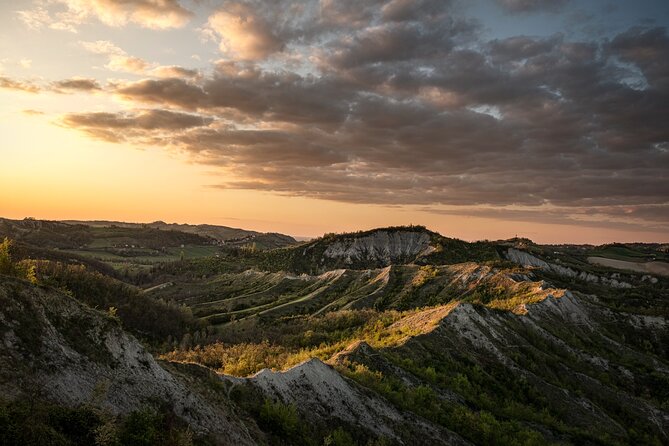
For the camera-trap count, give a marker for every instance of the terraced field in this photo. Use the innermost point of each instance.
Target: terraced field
(236, 296)
(390, 335)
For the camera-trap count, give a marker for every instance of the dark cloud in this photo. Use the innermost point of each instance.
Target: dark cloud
(414, 10)
(624, 218)
(394, 107)
(648, 49)
(395, 42)
(171, 91)
(518, 48)
(526, 6)
(139, 127)
(82, 84)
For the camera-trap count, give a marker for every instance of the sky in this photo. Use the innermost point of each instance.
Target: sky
(480, 119)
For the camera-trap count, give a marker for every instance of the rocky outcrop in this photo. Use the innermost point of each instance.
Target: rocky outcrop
(71, 354)
(384, 247)
(321, 393)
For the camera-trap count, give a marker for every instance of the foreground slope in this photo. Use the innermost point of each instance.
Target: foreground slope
(70, 354)
(524, 345)
(391, 336)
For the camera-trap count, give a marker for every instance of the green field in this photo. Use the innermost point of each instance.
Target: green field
(142, 257)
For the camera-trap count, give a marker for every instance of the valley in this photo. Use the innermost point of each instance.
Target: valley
(378, 337)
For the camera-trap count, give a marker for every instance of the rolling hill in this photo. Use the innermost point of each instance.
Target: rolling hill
(383, 337)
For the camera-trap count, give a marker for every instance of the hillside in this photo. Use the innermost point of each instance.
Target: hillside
(130, 249)
(374, 249)
(223, 234)
(382, 337)
(65, 352)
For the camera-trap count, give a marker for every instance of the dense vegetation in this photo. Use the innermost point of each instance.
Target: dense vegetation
(36, 422)
(492, 374)
(156, 321)
(295, 340)
(23, 270)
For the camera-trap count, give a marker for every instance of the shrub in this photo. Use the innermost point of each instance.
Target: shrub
(279, 419)
(24, 269)
(339, 437)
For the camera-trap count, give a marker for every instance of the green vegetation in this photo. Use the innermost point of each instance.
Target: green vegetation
(298, 339)
(39, 423)
(130, 250)
(636, 252)
(154, 320)
(281, 420)
(285, 425)
(496, 371)
(480, 427)
(23, 270)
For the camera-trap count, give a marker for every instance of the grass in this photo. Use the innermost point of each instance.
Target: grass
(141, 260)
(622, 252)
(321, 338)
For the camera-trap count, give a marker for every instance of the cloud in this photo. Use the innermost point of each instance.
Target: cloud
(77, 84)
(243, 33)
(518, 48)
(119, 60)
(393, 42)
(35, 18)
(648, 49)
(31, 112)
(136, 126)
(630, 218)
(252, 30)
(168, 92)
(169, 71)
(63, 86)
(154, 14)
(389, 105)
(18, 85)
(528, 6)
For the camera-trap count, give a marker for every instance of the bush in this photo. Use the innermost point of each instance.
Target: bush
(24, 269)
(141, 428)
(339, 437)
(37, 423)
(145, 317)
(279, 419)
(32, 422)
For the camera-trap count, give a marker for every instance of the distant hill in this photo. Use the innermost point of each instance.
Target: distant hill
(377, 248)
(129, 248)
(224, 234)
(74, 235)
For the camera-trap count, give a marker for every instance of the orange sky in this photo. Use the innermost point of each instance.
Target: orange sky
(113, 151)
(49, 172)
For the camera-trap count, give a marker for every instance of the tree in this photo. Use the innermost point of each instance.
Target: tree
(6, 265)
(25, 269)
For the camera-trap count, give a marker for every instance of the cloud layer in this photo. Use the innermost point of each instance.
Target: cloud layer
(70, 14)
(403, 102)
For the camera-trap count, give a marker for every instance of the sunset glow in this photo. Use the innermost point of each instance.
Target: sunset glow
(481, 120)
